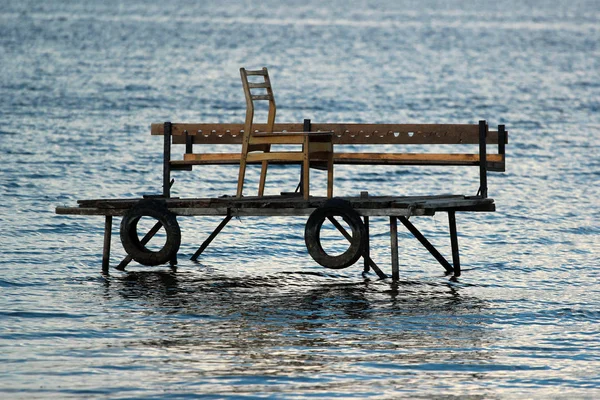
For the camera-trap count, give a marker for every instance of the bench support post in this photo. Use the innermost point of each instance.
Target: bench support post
(417, 234)
(483, 130)
(167, 161)
(106, 250)
(502, 143)
(211, 238)
(306, 128)
(454, 243)
(394, 246)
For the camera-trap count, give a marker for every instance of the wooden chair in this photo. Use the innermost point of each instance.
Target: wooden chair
(256, 146)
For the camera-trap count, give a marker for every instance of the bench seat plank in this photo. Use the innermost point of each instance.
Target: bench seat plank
(351, 158)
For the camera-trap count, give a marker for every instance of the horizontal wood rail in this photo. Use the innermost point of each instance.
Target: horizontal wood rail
(342, 133)
(357, 158)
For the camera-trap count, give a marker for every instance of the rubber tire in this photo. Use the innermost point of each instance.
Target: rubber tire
(130, 239)
(312, 234)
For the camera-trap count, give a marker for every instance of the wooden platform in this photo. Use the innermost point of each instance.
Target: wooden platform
(290, 205)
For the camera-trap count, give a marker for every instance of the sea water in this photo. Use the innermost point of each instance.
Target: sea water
(80, 84)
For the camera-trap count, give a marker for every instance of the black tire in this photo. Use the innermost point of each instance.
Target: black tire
(130, 239)
(312, 234)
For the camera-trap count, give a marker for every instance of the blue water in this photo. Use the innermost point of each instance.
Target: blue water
(80, 84)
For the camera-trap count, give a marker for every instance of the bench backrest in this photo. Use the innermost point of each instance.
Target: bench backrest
(192, 134)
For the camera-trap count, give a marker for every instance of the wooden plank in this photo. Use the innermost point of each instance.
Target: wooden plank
(216, 158)
(259, 85)
(496, 160)
(217, 133)
(261, 97)
(277, 139)
(261, 72)
(275, 156)
(283, 201)
(290, 206)
(412, 158)
(89, 211)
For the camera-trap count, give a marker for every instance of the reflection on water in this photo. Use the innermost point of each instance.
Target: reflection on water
(224, 324)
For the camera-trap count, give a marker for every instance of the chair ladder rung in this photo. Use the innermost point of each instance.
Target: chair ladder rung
(262, 85)
(261, 97)
(256, 72)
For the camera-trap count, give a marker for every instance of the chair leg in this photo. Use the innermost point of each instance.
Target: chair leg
(240, 187)
(263, 178)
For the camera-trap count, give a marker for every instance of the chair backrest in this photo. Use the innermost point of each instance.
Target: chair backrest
(266, 94)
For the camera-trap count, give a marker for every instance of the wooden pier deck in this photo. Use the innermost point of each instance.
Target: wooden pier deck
(354, 210)
(405, 206)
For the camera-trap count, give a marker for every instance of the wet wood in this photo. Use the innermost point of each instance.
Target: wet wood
(394, 247)
(107, 238)
(290, 205)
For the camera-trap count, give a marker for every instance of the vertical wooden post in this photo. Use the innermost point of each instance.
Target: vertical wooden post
(330, 166)
(367, 255)
(306, 128)
(502, 141)
(483, 129)
(454, 243)
(189, 143)
(167, 161)
(306, 168)
(106, 250)
(394, 246)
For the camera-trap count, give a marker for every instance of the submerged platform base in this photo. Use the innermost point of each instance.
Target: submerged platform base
(397, 208)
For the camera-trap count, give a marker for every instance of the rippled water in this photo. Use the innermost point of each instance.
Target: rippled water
(82, 81)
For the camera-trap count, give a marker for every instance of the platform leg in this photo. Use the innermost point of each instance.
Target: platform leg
(454, 243)
(106, 250)
(367, 256)
(210, 238)
(394, 246)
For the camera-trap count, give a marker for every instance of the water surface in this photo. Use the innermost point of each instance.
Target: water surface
(80, 85)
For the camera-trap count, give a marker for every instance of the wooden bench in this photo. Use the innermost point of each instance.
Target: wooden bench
(394, 140)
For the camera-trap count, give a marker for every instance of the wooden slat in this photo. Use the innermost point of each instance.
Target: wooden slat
(412, 158)
(277, 139)
(262, 97)
(214, 133)
(261, 72)
(275, 156)
(350, 158)
(286, 205)
(216, 158)
(259, 85)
